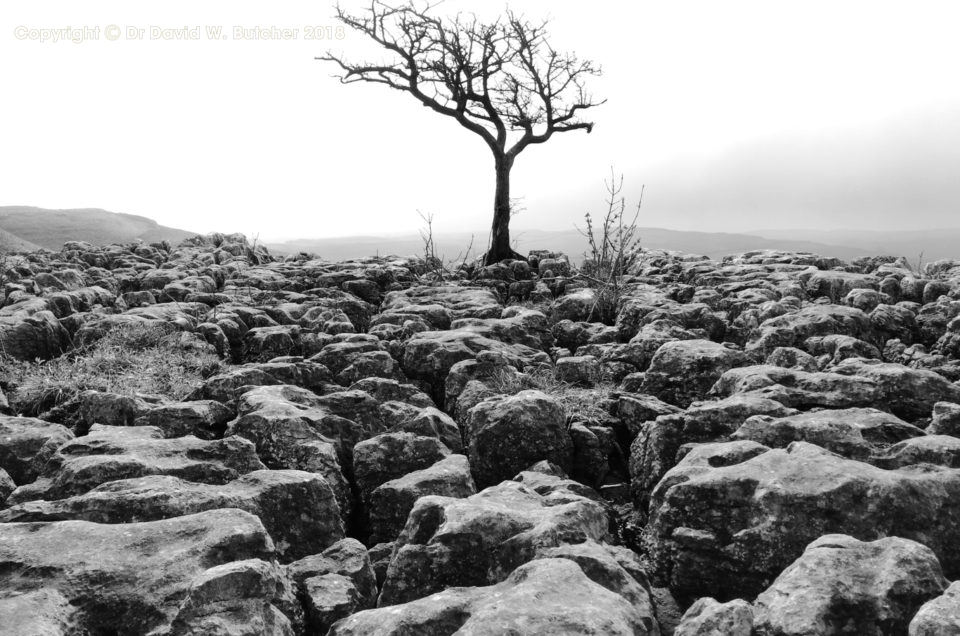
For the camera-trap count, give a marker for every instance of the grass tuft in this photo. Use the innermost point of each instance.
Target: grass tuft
(133, 358)
(580, 404)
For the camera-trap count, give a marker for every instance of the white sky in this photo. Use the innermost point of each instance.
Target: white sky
(736, 115)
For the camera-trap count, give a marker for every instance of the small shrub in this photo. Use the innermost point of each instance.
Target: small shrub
(434, 269)
(614, 249)
(134, 358)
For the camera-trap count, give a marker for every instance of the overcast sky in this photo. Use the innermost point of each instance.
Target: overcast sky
(735, 115)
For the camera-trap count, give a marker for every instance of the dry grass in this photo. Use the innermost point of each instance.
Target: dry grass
(131, 359)
(580, 404)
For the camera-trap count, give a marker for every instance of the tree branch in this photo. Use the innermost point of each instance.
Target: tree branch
(494, 78)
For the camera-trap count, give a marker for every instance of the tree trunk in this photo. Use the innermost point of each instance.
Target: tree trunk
(500, 231)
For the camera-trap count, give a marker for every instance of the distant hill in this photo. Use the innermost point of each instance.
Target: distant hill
(52, 228)
(12, 243)
(934, 244)
(571, 242)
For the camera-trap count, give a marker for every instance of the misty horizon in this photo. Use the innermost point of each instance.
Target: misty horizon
(895, 177)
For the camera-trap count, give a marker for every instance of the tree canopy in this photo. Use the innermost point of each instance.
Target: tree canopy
(501, 80)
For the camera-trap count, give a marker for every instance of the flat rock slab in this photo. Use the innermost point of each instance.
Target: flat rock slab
(109, 453)
(823, 428)
(481, 539)
(799, 389)
(21, 439)
(719, 528)
(525, 327)
(907, 392)
(391, 455)
(459, 302)
(292, 429)
(251, 597)
(30, 336)
(429, 355)
(228, 385)
(546, 596)
(939, 616)
(839, 582)
(941, 450)
(43, 611)
(507, 434)
(206, 419)
(792, 329)
(122, 579)
(683, 371)
(391, 502)
(347, 558)
(856, 433)
(657, 440)
(298, 509)
(269, 414)
(707, 617)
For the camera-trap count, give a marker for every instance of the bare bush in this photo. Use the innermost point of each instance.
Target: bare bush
(436, 268)
(614, 248)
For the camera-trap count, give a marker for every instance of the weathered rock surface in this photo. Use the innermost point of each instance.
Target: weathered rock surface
(480, 539)
(433, 422)
(110, 409)
(684, 370)
(777, 502)
(206, 419)
(359, 357)
(655, 448)
(451, 301)
(515, 325)
(939, 616)
(793, 329)
(827, 429)
(392, 455)
(386, 390)
(941, 450)
(124, 578)
(227, 386)
(327, 599)
(428, 356)
(737, 410)
(292, 429)
(546, 596)
(707, 617)
(298, 509)
(41, 611)
(28, 335)
(615, 568)
(246, 598)
(945, 419)
(799, 389)
(109, 453)
(21, 442)
(390, 503)
(347, 558)
(908, 393)
(840, 584)
(508, 434)
(7, 486)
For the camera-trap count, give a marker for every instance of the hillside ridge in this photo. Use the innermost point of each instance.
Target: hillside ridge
(50, 229)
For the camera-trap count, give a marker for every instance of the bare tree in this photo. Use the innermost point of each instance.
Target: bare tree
(501, 80)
